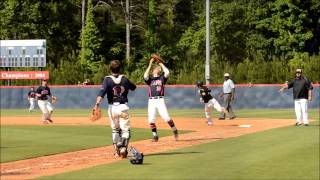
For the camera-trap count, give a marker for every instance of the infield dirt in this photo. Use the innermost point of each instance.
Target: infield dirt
(59, 163)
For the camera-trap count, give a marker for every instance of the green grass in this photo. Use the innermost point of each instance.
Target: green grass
(290, 153)
(23, 141)
(241, 113)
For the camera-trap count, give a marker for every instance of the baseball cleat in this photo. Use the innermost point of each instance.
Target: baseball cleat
(123, 152)
(155, 139)
(306, 124)
(232, 118)
(176, 135)
(50, 120)
(221, 118)
(210, 123)
(298, 124)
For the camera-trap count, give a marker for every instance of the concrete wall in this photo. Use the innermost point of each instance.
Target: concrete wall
(259, 96)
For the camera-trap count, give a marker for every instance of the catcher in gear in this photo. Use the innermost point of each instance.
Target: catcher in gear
(209, 101)
(117, 87)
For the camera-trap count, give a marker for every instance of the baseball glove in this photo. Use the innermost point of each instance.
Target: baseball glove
(157, 58)
(96, 114)
(54, 99)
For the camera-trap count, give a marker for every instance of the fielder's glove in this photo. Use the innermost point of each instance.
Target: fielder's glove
(157, 58)
(54, 99)
(96, 114)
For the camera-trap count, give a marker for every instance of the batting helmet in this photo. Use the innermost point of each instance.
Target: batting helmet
(199, 83)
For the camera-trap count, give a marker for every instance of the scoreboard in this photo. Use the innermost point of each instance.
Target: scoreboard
(23, 53)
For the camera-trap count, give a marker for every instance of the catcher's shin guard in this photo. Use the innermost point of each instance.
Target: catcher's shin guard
(122, 147)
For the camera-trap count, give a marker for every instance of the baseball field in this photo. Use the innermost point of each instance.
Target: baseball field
(260, 144)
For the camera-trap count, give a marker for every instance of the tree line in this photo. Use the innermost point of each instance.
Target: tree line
(257, 41)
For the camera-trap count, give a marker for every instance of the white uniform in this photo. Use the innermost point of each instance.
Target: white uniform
(32, 104)
(45, 106)
(31, 98)
(119, 119)
(209, 103)
(117, 88)
(156, 103)
(159, 105)
(156, 99)
(43, 103)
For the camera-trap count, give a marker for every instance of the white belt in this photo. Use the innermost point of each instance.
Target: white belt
(117, 103)
(156, 97)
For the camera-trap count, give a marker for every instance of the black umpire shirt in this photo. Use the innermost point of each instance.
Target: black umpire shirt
(300, 86)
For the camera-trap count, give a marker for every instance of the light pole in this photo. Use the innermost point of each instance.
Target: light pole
(207, 65)
(127, 31)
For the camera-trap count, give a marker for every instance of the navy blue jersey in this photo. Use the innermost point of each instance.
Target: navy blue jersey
(32, 94)
(300, 86)
(44, 91)
(156, 85)
(204, 93)
(116, 92)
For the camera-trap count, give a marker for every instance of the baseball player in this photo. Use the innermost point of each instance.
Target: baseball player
(228, 91)
(31, 98)
(117, 87)
(209, 102)
(156, 98)
(302, 93)
(43, 93)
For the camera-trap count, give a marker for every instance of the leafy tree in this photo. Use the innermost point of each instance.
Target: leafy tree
(91, 42)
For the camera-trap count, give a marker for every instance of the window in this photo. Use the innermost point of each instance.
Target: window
(9, 52)
(23, 51)
(41, 51)
(38, 51)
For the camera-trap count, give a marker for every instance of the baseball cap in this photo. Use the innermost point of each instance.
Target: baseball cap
(226, 75)
(299, 71)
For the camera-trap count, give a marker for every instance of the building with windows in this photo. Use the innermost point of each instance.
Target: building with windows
(23, 53)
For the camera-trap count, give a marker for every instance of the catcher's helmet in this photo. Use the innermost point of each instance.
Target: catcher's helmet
(199, 83)
(137, 157)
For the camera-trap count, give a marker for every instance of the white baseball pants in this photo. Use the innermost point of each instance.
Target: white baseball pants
(301, 109)
(213, 103)
(46, 108)
(119, 119)
(32, 104)
(159, 105)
